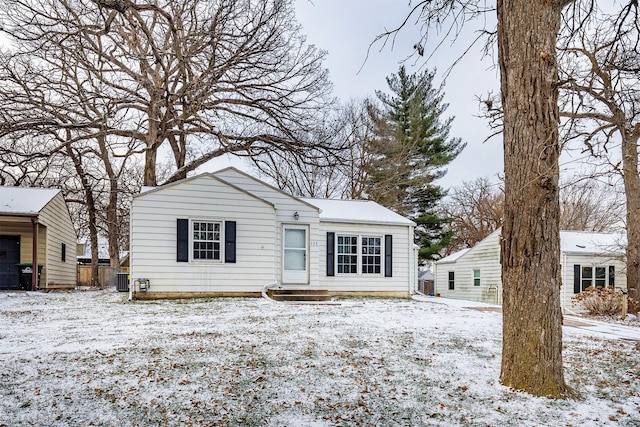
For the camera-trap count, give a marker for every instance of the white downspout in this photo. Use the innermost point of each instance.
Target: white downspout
(131, 283)
(413, 263)
(276, 246)
(564, 282)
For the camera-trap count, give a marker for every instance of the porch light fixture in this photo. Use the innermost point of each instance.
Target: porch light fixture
(296, 216)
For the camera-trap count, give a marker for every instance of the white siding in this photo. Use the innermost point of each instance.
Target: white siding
(402, 261)
(285, 206)
(59, 229)
(485, 256)
(153, 238)
(261, 213)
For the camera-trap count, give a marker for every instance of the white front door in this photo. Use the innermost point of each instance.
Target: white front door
(294, 255)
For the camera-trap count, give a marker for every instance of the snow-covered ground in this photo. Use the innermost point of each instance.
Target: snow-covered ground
(94, 359)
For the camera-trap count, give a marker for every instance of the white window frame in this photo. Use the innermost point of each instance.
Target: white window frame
(479, 278)
(379, 255)
(347, 254)
(593, 279)
(220, 240)
(360, 255)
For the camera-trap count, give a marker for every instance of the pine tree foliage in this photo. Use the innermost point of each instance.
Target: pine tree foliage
(411, 149)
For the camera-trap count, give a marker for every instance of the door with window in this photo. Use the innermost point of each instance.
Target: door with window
(9, 257)
(295, 259)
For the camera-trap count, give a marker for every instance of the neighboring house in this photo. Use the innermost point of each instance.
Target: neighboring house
(586, 259)
(230, 234)
(35, 228)
(84, 253)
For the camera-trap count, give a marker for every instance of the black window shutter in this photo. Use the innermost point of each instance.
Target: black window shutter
(64, 253)
(230, 241)
(388, 255)
(182, 248)
(612, 276)
(331, 260)
(576, 279)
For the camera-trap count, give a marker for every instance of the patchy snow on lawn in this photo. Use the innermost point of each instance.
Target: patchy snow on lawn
(94, 359)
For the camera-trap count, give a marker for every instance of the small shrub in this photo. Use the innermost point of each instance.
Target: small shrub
(599, 301)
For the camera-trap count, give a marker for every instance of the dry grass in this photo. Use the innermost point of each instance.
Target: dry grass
(94, 359)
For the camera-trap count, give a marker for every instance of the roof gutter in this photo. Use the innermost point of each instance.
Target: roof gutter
(361, 221)
(21, 214)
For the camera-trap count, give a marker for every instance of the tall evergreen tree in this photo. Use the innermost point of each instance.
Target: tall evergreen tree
(411, 149)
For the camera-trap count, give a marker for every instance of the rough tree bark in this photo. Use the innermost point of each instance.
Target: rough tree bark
(631, 180)
(90, 204)
(600, 72)
(111, 214)
(530, 246)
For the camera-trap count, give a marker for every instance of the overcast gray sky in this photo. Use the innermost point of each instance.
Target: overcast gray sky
(346, 28)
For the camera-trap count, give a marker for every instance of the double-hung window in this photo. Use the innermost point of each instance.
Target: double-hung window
(205, 240)
(206, 244)
(587, 277)
(476, 277)
(452, 280)
(348, 254)
(359, 253)
(599, 276)
(371, 255)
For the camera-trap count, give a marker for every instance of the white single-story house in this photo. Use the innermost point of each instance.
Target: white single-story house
(586, 259)
(229, 234)
(36, 229)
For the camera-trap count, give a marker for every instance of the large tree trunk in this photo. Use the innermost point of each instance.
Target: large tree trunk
(91, 208)
(150, 156)
(530, 248)
(632, 192)
(111, 215)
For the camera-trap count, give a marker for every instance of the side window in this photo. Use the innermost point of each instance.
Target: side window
(452, 283)
(63, 251)
(476, 277)
(371, 255)
(206, 240)
(347, 254)
(587, 277)
(358, 253)
(601, 277)
(612, 276)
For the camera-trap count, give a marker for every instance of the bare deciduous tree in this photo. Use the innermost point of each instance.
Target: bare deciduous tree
(203, 77)
(188, 81)
(530, 246)
(475, 209)
(527, 35)
(588, 205)
(601, 93)
(339, 173)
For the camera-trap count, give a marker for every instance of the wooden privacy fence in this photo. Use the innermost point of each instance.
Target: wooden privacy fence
(106, 276)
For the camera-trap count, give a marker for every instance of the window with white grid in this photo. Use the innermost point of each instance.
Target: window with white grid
(206, 240)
